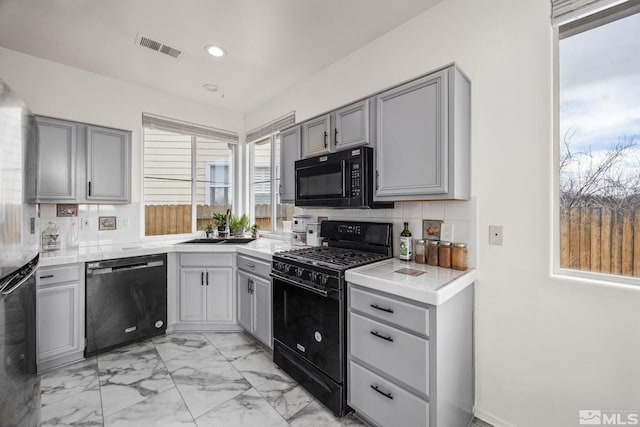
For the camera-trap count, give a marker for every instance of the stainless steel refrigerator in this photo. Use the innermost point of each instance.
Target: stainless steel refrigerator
(19, 238)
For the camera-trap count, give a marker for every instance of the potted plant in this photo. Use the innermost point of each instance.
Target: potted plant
(238, 224)
(208, 230)
(220, 220)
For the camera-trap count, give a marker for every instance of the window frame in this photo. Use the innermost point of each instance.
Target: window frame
(574, 27)
(235, 191)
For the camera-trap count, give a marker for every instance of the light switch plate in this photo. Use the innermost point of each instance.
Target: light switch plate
(84, 223)
(446, 232)
(495, 235)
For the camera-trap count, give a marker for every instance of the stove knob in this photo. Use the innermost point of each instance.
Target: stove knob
(286, 268)
(314, 276)
(299, 271)
(325, 279)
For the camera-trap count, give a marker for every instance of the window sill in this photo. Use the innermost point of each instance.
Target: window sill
(598, 279)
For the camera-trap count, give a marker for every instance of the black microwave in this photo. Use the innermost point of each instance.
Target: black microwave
(344, 179)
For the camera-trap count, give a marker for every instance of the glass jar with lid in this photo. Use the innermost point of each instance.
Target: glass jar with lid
(444, 254)
(432, 252)
(459, 256)
(51, 237)
(420, 249)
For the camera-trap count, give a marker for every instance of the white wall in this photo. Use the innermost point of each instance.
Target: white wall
(56, 90)
(545, 346)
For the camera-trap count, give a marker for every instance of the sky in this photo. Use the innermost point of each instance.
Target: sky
(600, 85)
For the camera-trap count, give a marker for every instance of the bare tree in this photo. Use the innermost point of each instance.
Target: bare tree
(610, 180)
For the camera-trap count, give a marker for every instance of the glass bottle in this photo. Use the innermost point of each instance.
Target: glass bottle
(51, 237)
(406, 244)
(72, 240)
(444, 254)
(459, 256)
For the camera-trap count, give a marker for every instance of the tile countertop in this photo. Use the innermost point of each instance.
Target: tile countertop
(261, 248)
(435, 286)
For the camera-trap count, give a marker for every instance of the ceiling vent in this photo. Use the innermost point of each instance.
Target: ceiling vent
(157, 46)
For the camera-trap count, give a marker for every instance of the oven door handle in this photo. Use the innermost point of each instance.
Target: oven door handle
(320, 292)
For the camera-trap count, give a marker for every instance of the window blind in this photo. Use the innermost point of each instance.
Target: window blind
(563, 11)
(272, 127)
(185, 128)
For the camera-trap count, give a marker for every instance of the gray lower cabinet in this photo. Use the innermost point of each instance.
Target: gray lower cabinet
(59, 315)
(206, 297)
(254, 298)
(289, 153)
(423, 138)
(316, 135)
(82, 163)
(410, 364)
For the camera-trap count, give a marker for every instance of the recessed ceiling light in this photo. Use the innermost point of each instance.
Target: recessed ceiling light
(211, 87)
(214, 50)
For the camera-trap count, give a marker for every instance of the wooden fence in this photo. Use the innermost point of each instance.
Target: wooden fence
(600, 240)
(176, 219)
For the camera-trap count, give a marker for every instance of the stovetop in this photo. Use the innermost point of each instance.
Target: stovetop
(331, 257)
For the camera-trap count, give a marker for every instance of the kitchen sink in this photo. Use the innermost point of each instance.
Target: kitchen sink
(230, 240)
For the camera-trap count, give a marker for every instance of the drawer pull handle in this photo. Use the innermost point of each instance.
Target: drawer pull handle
(375, 333)
(48, 276)
(377, 307)
(387, 395)
(250, 265)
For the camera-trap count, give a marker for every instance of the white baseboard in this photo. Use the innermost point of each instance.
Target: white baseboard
(491, 419)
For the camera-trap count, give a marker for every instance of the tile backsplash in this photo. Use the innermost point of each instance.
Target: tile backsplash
(463, 214)
(126, 231)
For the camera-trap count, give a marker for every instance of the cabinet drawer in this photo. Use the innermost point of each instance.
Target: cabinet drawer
(49, 275)
(400, 313)
(384, 402)
(206, 260)
(392, 351)
(251, 265)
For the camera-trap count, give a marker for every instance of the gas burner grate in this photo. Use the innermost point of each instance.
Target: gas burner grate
(332, 257)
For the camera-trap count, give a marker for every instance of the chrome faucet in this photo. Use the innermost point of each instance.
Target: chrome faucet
(228, 216)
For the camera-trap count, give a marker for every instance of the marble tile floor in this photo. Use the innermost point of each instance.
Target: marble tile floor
(182, 379)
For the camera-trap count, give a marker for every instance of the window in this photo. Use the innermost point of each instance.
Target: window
(599, 142)
(265, 183)
(188, 175)
(264, 175)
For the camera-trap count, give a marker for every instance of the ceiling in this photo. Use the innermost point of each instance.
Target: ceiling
(272, 44)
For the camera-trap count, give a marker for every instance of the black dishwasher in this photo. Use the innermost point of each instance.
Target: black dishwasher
(126, 301)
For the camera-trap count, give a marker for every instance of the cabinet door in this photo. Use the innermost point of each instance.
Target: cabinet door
(352, 125)
(289, 153)
(262, 309)
(412, 138)
(244, 301)
(108, 164)
(56, 160)
(58, 320)
(193, 295)
(219, 284)
(315, 136)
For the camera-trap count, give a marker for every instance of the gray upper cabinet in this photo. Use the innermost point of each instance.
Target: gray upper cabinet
(289, 153)
(108, 164)
(82, 163)
(352, 125)
(316, 135)
(57, 151)
(423, 138)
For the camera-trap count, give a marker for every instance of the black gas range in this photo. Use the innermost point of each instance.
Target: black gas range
(309, 305)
